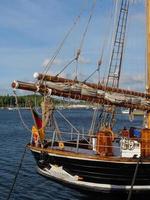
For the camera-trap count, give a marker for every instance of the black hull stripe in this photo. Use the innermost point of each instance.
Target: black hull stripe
(100, 186)
(104, 174)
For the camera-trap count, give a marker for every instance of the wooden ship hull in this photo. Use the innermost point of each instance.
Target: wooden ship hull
(93, 172)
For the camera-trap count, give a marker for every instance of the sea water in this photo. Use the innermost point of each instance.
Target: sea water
(29, 185)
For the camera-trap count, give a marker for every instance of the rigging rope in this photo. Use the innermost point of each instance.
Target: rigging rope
(17, 173)
(66, 66)
(90, 76)
(99, 63)
(78, 133)
(116, 57)
(84, 35)
(133, 179)
(63, 41)
(81, 43)
(16, 99)
(58, 132)
(91, 130)
(87, 26)
(68, 122)
(104, 44)
(114, 14)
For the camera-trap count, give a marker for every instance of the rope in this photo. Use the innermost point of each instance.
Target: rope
(91, 130)
(83, 37)
(81, 43)
(58, 132)
(104, 46)
(66, 66)
(17, 173)
(62, 43)
(90, 75)
(133, 179)
(16, 99)
(99, 63)
(78, 133)
(35, 105)
(114, 14)
(68, 122)
(87, 26)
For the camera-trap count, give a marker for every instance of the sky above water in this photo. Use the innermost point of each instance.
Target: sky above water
(32, 30)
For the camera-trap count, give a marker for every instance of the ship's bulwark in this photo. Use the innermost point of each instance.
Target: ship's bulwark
(99, 171)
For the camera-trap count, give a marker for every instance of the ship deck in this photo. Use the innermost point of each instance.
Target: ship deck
(83, 153)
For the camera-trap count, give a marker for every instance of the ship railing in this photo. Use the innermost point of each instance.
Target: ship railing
(72, 139)
(78, 141)
(101, 145)
(118, 146)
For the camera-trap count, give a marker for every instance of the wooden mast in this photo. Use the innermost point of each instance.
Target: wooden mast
(148, 54)
(145, 134)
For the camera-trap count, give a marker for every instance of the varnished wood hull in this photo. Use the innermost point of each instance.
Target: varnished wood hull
(111, 174)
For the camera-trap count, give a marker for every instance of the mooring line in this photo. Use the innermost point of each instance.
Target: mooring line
(133, 179)
(17, 173)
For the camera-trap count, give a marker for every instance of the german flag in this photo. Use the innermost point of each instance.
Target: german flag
(37, 119)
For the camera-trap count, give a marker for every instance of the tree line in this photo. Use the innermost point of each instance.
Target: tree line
(23, 101)
(28, 100)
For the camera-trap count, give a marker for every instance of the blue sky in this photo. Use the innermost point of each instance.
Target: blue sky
(31, 30)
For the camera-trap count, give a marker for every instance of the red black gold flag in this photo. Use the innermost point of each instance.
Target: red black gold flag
(37, 119)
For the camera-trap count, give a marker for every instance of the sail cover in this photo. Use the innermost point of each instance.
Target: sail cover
(82, 91)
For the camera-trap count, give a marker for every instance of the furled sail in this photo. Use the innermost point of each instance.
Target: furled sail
(89, 92)
(46, 77)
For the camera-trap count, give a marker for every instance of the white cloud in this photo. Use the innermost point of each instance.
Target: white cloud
(57, 61)
(133, 81)
(128, 78)
(83, 60)
(45, 63)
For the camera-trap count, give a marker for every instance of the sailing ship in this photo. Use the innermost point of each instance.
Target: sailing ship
(100, 159)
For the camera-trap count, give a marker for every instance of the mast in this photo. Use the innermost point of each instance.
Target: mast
(148, 54)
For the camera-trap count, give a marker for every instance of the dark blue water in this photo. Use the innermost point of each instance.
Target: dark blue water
(29, 184)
